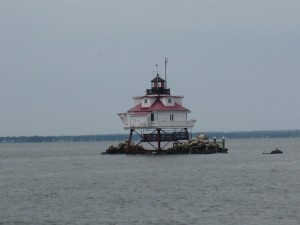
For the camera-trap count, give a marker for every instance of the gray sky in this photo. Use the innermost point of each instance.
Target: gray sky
(67, 67)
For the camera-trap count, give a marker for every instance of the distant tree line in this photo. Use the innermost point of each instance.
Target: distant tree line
(255, 134)
(76, 138)
(122, 137)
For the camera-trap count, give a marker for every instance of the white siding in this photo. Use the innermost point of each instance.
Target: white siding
(138, 121)
(162, 120)
(165, 101)
(149, 102)
(163, 116)
(146, 102)
(177, 116)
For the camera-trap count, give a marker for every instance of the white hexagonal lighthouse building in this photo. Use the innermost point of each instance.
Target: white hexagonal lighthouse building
(157, 117)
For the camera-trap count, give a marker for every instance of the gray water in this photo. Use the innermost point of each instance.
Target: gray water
(72, 183)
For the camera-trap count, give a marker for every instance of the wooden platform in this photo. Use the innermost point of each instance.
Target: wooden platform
(165, 137)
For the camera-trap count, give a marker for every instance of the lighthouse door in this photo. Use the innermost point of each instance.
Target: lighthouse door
(152, 117)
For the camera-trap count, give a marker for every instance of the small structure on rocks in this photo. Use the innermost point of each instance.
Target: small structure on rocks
(275, 151)
(199, 145)
(160, 119)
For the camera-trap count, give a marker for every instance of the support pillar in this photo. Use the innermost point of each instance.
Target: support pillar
(187, 134)
(129, 141)
(158, 140)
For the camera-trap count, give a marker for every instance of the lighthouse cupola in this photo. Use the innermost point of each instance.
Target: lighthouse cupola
(158, 86)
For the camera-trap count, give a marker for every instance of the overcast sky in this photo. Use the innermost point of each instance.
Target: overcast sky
(68, 67)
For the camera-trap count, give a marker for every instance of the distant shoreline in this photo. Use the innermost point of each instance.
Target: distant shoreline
(122, 137)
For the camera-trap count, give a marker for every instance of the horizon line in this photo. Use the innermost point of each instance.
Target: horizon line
(62, 135)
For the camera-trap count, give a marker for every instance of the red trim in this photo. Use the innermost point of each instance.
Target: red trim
(155, 96)
(157, 106)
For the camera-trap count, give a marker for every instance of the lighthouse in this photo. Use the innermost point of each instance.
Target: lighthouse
(157, 117)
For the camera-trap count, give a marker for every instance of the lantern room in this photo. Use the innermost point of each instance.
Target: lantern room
(158, 86)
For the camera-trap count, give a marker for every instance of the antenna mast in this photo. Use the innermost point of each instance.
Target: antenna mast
(166, 60)
(156, 76)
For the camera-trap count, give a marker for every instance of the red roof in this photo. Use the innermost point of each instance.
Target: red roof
(157, 106)
(155, 96)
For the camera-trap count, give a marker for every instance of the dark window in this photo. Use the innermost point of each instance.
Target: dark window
(152, 117)
(171, 117)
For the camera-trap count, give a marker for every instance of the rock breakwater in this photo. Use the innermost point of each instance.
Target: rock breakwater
(199, 145)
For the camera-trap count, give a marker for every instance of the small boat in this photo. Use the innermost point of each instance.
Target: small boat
(275, 151)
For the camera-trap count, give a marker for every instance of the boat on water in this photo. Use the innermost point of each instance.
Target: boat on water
(275, 151)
